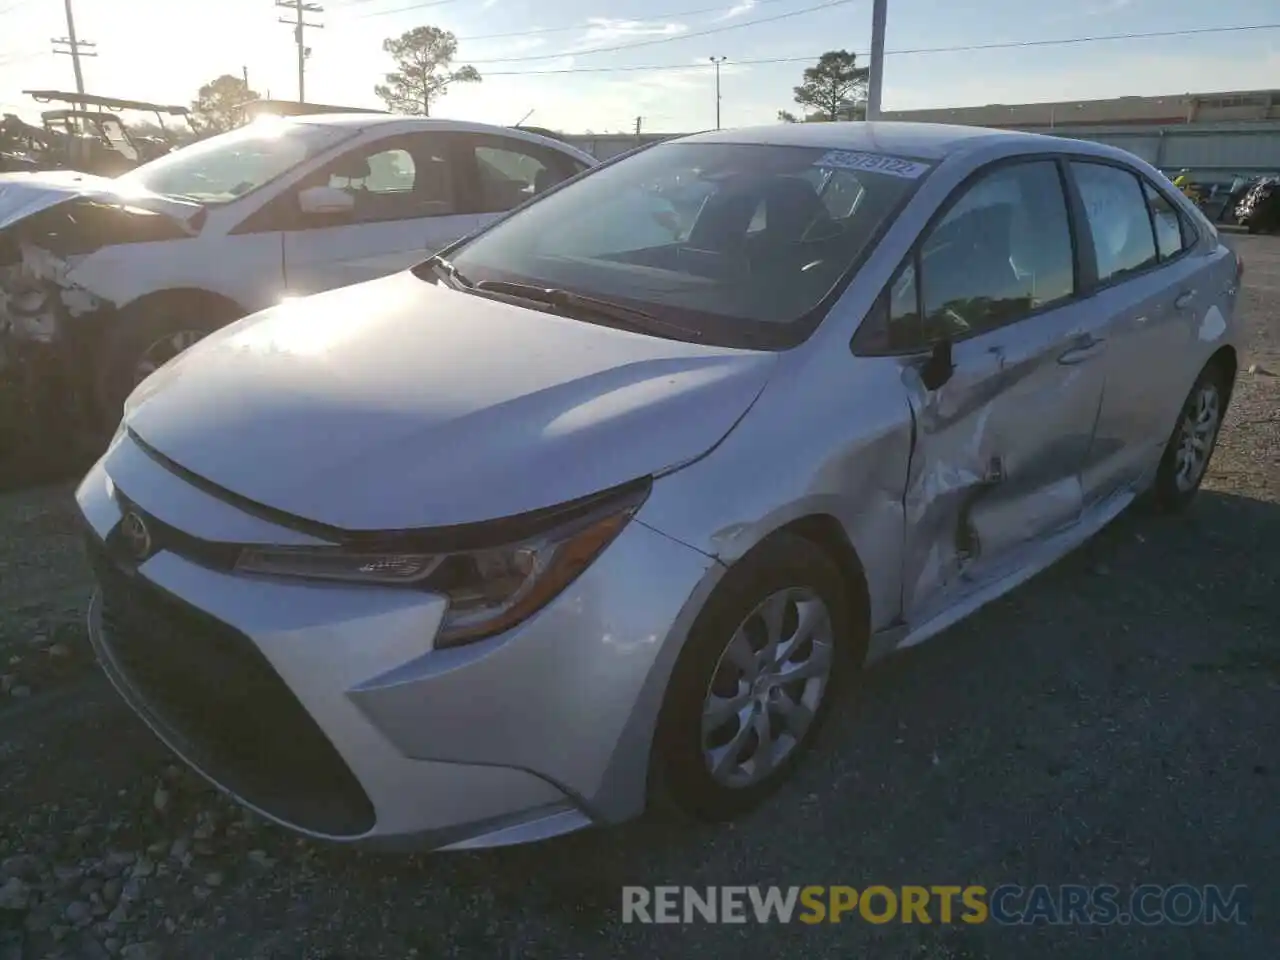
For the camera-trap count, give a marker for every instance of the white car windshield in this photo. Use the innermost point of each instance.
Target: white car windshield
(737, 243)
(231, 165)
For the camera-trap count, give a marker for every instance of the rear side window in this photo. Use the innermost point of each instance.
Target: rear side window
(1002, 251)
(1173, 234)
(1119, 222)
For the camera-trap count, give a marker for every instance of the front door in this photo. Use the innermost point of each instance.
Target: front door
(1000, 445)
(406, 206)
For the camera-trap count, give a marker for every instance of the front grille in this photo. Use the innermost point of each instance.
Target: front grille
(237, 720)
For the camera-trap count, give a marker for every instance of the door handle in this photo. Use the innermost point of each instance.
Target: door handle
(1184, 299)
(1085, 347)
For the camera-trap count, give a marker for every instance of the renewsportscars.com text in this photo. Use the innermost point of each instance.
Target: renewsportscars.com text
(1007, 904)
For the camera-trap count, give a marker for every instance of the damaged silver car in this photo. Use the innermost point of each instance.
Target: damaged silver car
(587, 510)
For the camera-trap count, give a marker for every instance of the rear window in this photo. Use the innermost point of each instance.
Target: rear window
(739, 242)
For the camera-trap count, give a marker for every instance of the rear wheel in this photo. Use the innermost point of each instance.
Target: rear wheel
(1186, 457)
(755, 681)
(145, 337)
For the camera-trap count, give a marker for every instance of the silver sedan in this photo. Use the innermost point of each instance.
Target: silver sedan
(605, 503)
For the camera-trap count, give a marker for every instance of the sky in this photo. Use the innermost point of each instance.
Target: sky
(538, 56)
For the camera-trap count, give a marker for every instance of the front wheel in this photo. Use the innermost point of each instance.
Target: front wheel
(755, 681)
(1186, 457)
(144, 338)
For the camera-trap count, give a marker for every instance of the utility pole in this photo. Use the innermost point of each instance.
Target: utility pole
(245, 72)
(875, 79)
(639, 120)
(717, 61)
(74, 48)
(299, 24)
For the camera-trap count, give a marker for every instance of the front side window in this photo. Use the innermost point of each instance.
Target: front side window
(1119, 222)
(231, 165)
(399, 179)
(734, 242)
(1001, 251)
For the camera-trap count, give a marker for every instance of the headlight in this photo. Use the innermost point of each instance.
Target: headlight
(490, 588)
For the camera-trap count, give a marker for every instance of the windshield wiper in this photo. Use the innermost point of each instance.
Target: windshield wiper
(630, 318)
(441, 265)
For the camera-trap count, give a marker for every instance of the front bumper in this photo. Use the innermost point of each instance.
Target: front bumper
(325, 708)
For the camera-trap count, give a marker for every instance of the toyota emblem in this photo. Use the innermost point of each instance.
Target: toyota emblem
(136, 535)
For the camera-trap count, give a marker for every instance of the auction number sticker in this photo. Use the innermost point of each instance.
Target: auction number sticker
(873, 162)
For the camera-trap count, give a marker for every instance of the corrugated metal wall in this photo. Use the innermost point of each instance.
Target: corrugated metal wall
(1211, 151)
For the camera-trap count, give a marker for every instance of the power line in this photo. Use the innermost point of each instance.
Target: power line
(15, 6)
(589, 24)
(671, 39)
(409, 9)
(8, 60)
(597, 21)
(893, 53)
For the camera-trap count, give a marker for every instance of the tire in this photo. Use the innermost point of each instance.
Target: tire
(143, 337)
(1200, 419)
(792, 575)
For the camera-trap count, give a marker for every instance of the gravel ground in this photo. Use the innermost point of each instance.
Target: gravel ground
(1115, 720)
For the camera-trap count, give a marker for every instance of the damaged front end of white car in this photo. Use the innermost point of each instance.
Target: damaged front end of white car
(50, 323)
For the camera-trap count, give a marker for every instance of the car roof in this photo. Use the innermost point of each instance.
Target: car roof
(922, 141)
(391, 123)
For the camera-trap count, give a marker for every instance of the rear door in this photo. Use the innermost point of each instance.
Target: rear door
(406, 206)
(498, 173)
(1149, 289)
(1001, 444)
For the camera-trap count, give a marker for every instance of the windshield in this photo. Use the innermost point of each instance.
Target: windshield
(230, 165)
(736, 243)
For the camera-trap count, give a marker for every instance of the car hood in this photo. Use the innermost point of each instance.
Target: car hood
(398, 403)
(24, 194)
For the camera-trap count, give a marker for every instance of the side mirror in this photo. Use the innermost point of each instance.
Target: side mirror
(938, 368)
(325, 200)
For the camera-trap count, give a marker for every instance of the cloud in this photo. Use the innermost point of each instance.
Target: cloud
(603, 30)
(737, 10)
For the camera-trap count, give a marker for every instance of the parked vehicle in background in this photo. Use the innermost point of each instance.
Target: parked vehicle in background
(571, 517)
(1259, 210)
(21, 144)
(89, 135)
(103, 280)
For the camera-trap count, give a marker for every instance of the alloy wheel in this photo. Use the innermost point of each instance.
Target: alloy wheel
(1197, 434)
(767, 687)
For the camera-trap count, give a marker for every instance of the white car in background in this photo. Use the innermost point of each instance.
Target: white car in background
(103, 280)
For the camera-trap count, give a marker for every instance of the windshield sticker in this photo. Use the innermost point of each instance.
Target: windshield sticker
(873, 163)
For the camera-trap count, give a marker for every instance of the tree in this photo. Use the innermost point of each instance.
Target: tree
(786, 116)
(835, 87)
(423, 57)
(219, 105)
